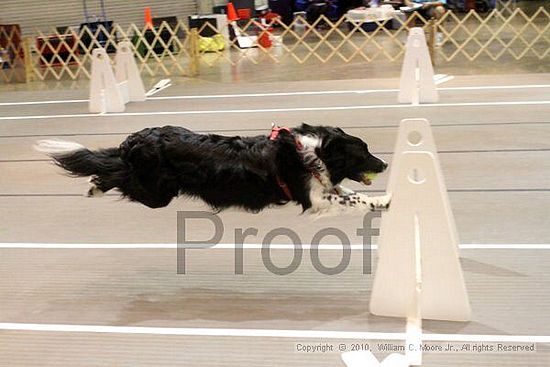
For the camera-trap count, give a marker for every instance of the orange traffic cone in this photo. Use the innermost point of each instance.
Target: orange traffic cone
(231, 13)
(148, 18)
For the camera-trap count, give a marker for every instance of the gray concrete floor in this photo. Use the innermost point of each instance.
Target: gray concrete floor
(496, 160)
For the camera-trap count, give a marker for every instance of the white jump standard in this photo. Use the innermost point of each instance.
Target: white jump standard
(417, 74)
(109, 92)
(419, 275)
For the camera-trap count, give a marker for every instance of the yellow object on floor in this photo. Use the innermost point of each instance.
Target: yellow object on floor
(212, 44)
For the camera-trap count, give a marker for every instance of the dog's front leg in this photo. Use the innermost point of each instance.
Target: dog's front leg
(341, 204)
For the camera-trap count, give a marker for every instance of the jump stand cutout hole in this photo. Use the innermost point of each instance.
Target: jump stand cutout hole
(416, 176)
(414, 138)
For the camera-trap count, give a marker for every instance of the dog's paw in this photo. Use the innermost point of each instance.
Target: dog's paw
(343, 191)
(381, 202)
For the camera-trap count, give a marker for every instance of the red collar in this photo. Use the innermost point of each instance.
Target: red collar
(284, 187)
(275, 131)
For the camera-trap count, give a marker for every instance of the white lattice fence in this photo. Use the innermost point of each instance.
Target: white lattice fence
(159, 51)
(495, 35)
(177, 50)
(322, 41)
(506, 7)
(12, 51)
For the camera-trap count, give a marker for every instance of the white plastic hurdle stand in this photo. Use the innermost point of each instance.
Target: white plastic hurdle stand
(127, 74)
(418, 274)
(415, 135)
(420, 208)
(417, 75)
(109, 92)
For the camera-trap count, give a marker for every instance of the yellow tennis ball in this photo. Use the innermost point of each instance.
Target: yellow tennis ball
(370, 175)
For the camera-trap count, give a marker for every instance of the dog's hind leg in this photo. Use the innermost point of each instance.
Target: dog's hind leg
(98, 187)
(94, 190)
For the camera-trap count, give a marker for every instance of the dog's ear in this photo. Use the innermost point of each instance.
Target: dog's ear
(332, 145)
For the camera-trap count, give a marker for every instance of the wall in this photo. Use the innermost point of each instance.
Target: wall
(46, 15)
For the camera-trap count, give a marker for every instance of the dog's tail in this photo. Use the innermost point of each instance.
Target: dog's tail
(105, 165)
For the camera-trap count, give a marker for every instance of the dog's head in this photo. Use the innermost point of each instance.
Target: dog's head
(345, 156)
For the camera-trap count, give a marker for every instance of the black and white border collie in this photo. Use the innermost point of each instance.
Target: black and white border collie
(305, 165)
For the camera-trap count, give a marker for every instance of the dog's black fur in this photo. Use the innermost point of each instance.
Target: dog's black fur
(155, 165)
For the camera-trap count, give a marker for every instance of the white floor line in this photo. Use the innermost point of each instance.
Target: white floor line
(276, 94)
(270, 333)
(527, 246)
(43, 102)
(274, 110)
(490, 87)
(280, 94)
(250, 246)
